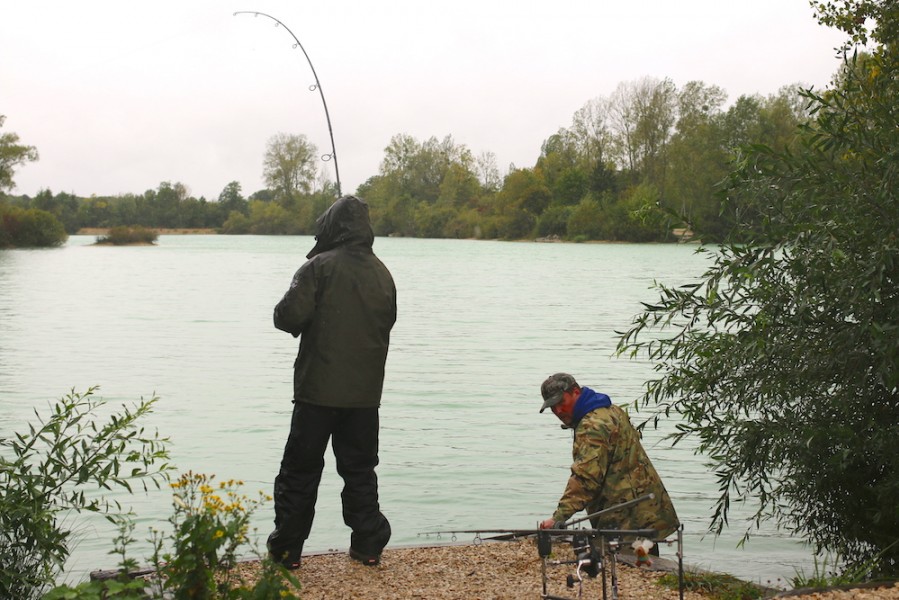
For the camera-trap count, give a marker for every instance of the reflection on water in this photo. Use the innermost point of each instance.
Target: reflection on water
(480, 325)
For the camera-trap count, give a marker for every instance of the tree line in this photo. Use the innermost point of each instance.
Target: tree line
(642, 164)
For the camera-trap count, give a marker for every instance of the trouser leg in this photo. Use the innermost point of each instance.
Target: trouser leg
(355, 444)
(296, 486)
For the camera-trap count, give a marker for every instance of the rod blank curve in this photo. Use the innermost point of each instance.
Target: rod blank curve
(317, 86)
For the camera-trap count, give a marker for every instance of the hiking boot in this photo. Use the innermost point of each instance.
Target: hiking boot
(291, 563)
(369, 560)
(288, 560)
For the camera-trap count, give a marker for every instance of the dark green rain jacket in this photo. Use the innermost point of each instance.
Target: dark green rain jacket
(342, 305)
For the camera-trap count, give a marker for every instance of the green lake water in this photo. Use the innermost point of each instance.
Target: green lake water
(480, 325)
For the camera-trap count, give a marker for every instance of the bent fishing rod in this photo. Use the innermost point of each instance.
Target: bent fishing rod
(560, 528)
(316, 86)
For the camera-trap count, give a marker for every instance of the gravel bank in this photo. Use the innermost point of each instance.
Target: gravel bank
(499, 570)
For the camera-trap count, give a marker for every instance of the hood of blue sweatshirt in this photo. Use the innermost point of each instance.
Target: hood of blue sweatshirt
(587, 402)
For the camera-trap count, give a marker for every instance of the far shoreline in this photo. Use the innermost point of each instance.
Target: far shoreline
(159, 231)
(554, 239)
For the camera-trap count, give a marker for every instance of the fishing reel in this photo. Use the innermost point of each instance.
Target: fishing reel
(586, 555)
(587, 559)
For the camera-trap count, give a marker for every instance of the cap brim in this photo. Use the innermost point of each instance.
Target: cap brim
(549, 403)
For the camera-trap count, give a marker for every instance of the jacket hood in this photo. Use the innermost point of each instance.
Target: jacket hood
(345, 223)
(587, 402)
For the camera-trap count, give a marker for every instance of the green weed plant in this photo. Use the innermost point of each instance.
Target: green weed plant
(718, 586)
(210, 524)
(195, 560)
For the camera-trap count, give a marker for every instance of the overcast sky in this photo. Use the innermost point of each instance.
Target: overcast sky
(119, 96)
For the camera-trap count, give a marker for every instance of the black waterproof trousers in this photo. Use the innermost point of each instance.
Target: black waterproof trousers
(354, 439)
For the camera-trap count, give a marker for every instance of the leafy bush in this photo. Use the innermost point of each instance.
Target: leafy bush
(554, 221)
(47, 473)
(585, 220)
(29, 228)
(270, 218)
(236, 223)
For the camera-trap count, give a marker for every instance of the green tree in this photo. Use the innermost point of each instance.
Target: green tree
(236, 223)
(62, 206)
(433, 172)
(459, 187)
(644, 221)
(558, 155)
(431, 220)
(554, 221)
(515, 208)
(656, 111)
(290, 166)
(418, 170)
(591, 133)
(603, 180)
(563, 167)
(96, 212)
(166, 205)
(230, 199)
(782, 359)
(578, 160)
(780, 115)
(12, 155)
(127, 210)
(699, 160)
(585, 221)
(488, 173)
(642, 115)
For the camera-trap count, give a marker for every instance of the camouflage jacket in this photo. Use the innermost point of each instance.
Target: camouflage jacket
(611, 467)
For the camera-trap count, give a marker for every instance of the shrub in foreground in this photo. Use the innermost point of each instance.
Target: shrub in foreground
(47, 473)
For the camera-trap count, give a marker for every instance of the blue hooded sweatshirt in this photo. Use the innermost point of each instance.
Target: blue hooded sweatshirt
(587, 402)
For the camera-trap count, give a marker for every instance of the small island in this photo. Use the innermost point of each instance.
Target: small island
(128, 236)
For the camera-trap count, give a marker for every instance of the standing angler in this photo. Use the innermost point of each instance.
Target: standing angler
(610, 466)
(342, 305)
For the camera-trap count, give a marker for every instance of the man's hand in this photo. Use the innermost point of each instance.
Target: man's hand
(548, 524)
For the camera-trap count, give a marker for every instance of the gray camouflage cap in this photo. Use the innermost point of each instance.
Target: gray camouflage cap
(554, 387)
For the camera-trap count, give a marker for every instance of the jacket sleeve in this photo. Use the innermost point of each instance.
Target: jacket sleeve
(294, 312)
(591, 459)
